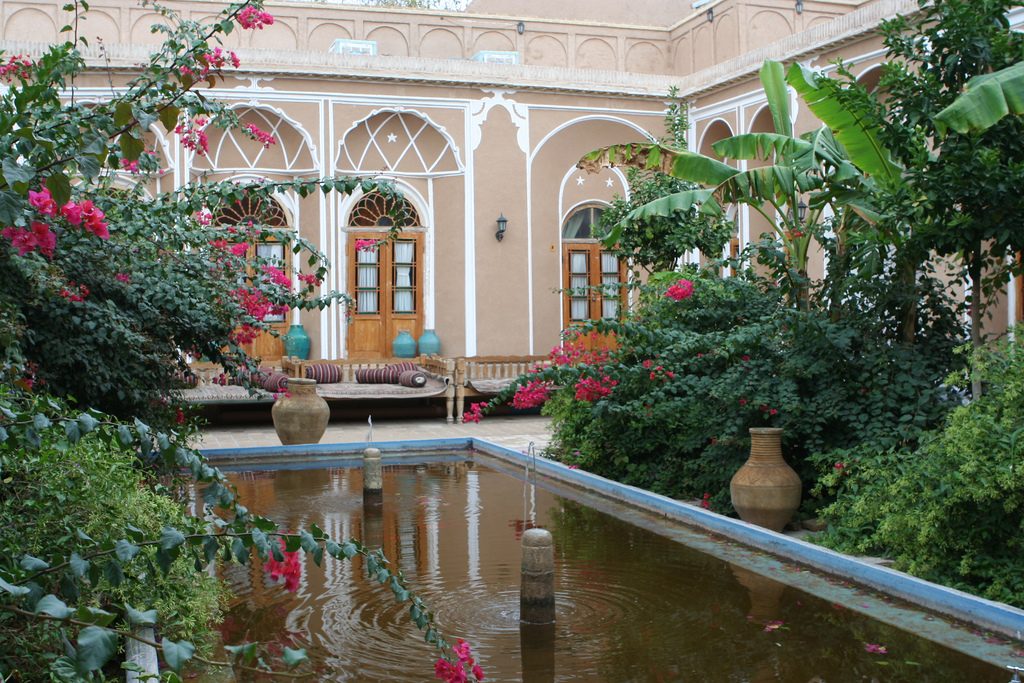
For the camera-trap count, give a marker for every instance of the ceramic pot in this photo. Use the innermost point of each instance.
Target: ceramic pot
(404, 346)
(296, 342)
(300, 416)
(765, 491)
(429, 343)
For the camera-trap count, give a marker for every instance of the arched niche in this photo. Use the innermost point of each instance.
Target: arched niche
(323, 36)
(546, 51)
(30, 22)
(493, 40)
(683, 57)
(727, 37)
(142, 29)
(97, 26)
(441, 43)
(645, 58)
(390, 41)
(767, 27)
(595, 53)
(703, 48)
(292, 152)
(398, 142)
(715, 131)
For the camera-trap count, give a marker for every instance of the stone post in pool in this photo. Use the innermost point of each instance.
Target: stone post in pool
(537, 592)
(373, 482)
(537, 607)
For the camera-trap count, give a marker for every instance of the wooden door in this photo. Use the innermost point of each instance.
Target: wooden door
(386, 282)
(268, 347)
(592, 285)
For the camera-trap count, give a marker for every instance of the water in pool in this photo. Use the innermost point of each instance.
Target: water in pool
(633, 604)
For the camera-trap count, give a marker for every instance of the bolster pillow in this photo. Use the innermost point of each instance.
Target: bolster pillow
(412, 378)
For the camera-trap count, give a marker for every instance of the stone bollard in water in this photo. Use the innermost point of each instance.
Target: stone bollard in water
(373, 481)
(537, 594)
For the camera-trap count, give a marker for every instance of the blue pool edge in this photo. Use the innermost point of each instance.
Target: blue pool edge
(987, 614)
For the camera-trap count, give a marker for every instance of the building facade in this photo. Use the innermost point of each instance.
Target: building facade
(474, 116)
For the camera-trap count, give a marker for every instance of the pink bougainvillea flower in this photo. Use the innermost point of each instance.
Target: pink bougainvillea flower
(123, 277)
(277, 276)
(252, 19)
(239, 248)
(260, 136)
(680, 290)
(774, 625)
(310, 279)
(533, 394)
(591, 389)
(474, 414)
(574, 467)
(42, 202)
(743, 401)
(705, 502)
(130, 166)
(876, 649)
(366, 245)
(17, 66)
(26, 240)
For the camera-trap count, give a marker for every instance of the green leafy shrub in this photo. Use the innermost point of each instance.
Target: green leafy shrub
(952, 510)
(93, 487)
(692, 376)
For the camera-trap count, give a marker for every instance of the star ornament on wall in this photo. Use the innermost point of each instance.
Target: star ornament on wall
(609, 182)
(580, 180)
(392, 137)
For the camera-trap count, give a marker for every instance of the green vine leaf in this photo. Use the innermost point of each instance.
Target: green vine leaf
(96, 645)
(177, 654)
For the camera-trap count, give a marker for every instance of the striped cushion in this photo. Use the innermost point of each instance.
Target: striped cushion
(324, 373)
(275, 382)
(412, 378)
(403, 366)
(377, 376)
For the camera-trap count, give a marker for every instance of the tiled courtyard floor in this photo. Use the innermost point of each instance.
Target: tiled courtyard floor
(516, 431)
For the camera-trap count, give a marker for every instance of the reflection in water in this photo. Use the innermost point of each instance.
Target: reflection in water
(631, 605)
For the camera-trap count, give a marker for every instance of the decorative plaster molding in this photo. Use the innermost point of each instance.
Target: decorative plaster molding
(519, 113)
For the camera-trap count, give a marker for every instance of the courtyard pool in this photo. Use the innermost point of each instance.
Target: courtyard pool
(639, 598)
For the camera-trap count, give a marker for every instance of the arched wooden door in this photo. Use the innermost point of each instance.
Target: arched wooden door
(593, 276)
(267, 212)
(385, 276)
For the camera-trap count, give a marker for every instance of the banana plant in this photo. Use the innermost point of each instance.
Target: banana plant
(812, 168)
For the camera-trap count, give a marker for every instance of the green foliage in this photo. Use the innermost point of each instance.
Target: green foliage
(693, 375)
(91, 549)
(109, 318)
(657, 242)
(952, 510)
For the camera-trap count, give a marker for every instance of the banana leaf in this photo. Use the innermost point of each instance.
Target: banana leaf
(985, 101)
(851, 128)
(678, 163)
(773, 78)
(766, 146)
(679, 202)
(776, 184)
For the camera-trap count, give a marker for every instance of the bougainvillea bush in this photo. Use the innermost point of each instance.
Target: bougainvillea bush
(705, 359)
(107, 287)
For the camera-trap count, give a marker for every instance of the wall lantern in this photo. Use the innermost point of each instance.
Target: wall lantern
(502, 226)
(799, 6)
(711, 14)
(520, 28)
(801, 211)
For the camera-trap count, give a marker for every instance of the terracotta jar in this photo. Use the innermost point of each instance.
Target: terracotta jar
(765, 491)
(300, 416)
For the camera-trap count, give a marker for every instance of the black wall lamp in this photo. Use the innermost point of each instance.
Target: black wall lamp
(801, 211)
(502, 226)
(520, 28)
(799, 6)
(711, 14)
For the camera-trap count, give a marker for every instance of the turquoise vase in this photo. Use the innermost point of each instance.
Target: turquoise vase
(296, 342)
(404, 346)
(429, 343)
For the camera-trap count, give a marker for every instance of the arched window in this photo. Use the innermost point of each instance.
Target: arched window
(580, 225)
(593, 275)
(376, 210)
(262, 211)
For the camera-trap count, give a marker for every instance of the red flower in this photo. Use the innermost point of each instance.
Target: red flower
(260, 136)
(474, 414)
(42, 202)
(26, 240)
(743, 401)
(706, 501)
(123, 277)
(533, 394)
(680, 290)
(744, 358)
(179, 416)
(252, 18)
